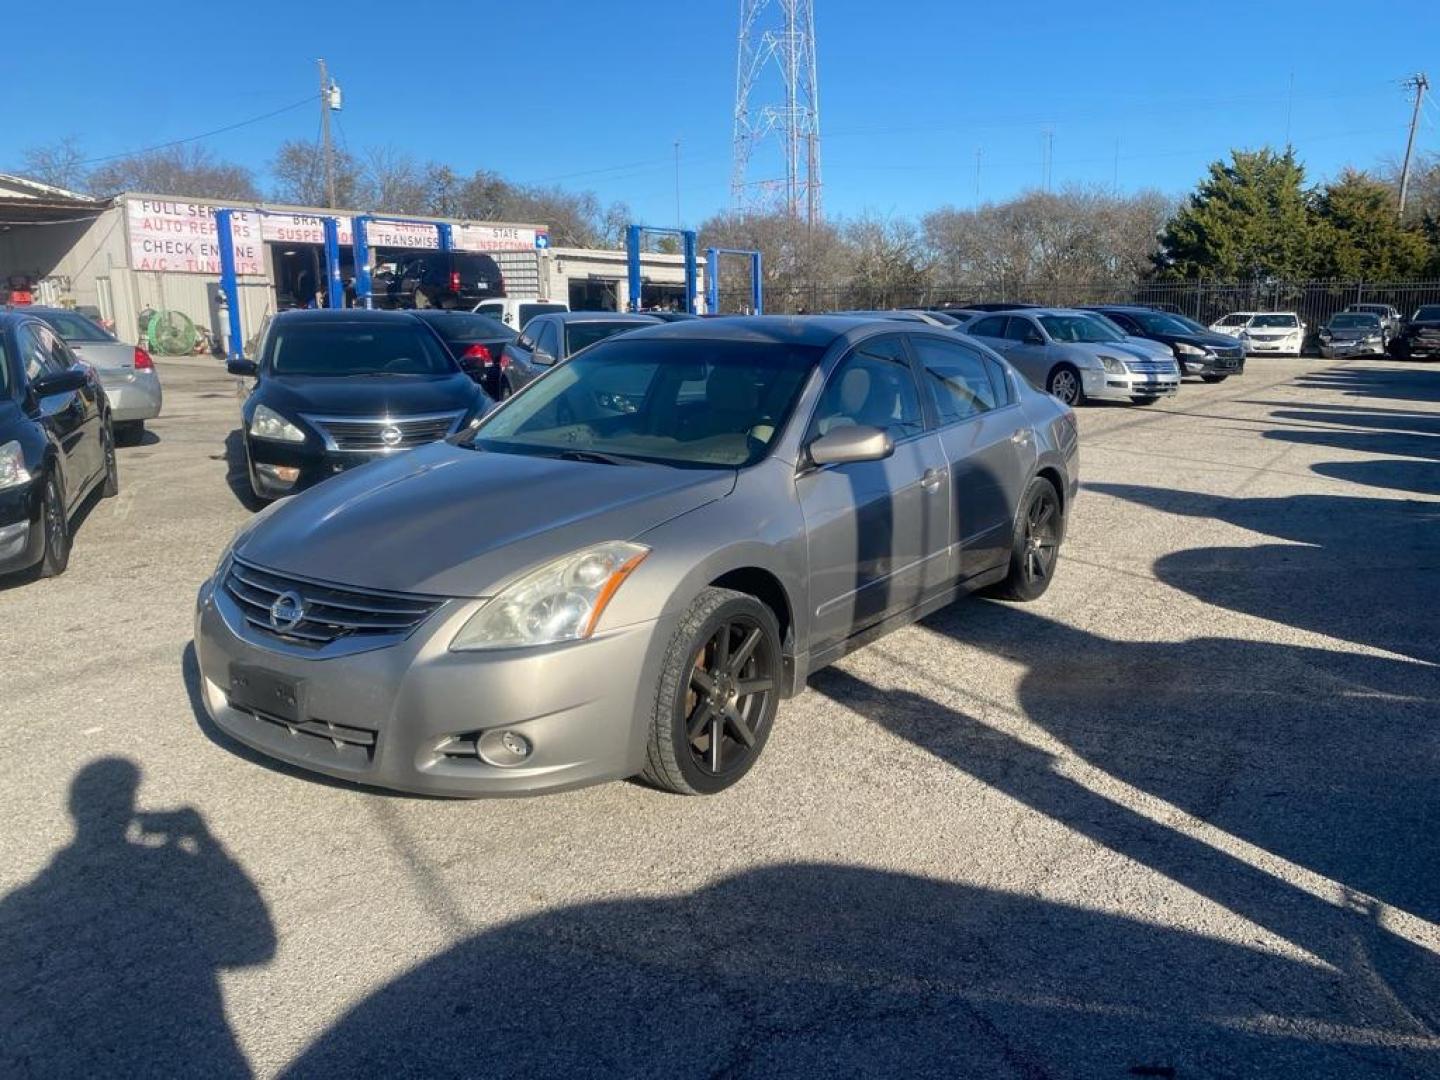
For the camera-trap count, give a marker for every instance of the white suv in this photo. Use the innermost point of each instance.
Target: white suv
(515, 312)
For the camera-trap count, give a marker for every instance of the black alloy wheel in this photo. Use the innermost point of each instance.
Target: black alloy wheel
(1035, 547)
(111, 486)
(56, 526)
(719, 692)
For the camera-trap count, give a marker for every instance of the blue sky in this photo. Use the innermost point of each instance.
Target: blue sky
(594, 95)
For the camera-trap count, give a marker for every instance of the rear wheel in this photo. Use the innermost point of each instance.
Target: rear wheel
(719, 690)
(1035, 545)
(55, 524)
(1214, 378)
(1064, 383)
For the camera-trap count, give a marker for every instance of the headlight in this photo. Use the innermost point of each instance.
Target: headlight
(12, 466)
(269, 424)
(1182, 349)
(561, 601)
(1112, 364)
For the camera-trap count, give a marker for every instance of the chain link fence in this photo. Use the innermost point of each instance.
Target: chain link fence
(1204, 301)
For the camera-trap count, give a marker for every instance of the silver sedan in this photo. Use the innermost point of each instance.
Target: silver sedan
(1078, 355)
(626, 567)
(126, 371)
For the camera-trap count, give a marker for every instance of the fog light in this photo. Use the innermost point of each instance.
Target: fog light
(285, 474)
(503, 748)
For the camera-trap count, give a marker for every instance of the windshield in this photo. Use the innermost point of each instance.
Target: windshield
(1288, 322)
(692, 404)
(74, 327)
(1355, 322)
(1155, 322)
(1068, 328)
(580, 335)
(1191, 325)
(333, 348)
(1429, 313)
(456, 326)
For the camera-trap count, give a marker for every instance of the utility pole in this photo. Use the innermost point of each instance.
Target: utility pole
(327, 95)
(979, 153)
(1419, 83)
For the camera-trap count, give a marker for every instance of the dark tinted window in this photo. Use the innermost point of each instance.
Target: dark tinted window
(691, 403)
(1000, 379)
(529, 311)
(1024, 330)
(463, 327)
(582, 334)
(547, 338)
(73, 327)
(473, 267)
(991, 326)
(334, 348)
(37, 357)
(873, 386)
(959, 379)
(1429, 313)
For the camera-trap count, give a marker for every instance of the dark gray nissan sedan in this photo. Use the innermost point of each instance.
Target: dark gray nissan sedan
(626, 567)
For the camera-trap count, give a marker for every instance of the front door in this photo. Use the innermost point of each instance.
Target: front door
(877, 530)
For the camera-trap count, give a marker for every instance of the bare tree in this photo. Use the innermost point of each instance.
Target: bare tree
(299, 171)
(395, 180)
(176, 170)
(61, 164)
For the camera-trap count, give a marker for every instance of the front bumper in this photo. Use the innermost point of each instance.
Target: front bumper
(133, 395)
(1109, 386)
(408, 716)
(22, 540)
(1286, 346)
(313, 464)
(1332, 350)
(1212, 365)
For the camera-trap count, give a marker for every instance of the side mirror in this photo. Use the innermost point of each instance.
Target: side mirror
(541, 357)
(246, 368)
(856, 443)
(62, 382)
(1033, 339)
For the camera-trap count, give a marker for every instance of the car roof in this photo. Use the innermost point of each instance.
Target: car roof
(817, 330)
(342, 315)
(598, 316)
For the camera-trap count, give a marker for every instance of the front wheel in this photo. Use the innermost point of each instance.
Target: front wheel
(719, 690)
(1035, 544)
(56, 526)
(111, 487)
(1064, 383)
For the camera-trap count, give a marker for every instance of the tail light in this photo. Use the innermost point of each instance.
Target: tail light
(142, 360)
(480, 354)
(455, 281)
(504, 361)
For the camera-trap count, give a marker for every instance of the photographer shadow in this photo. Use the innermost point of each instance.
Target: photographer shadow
(113, 951)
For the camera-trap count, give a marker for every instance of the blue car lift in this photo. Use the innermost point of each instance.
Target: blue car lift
(230, 284)
(633, 235)
(712, 279)
(360, 241)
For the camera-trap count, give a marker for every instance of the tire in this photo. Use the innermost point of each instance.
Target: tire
(1032, 564)
(129, 432)
(1064, 383)
(111, 487)
(700, 673)
(55, 524)
(1144, 399)
(1213, 378)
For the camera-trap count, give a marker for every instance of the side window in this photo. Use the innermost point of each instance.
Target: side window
(1023, 330)
(549, 339)
(872, 386)
(1000, 380)
(959, 379)
(992, 326)
(1122, 320)
(60, 355)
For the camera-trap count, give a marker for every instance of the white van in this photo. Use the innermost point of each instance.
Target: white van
(515, 312)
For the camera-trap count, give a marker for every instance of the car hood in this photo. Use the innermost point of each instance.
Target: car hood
(1271, 331)
(367, 395)
(1147, 348)
(448, 521)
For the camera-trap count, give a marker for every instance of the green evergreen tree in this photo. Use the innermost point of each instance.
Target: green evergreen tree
(1250, 218)
(1360, 237)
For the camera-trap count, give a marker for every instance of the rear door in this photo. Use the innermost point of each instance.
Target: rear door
(64, 416)
(1026, 349)
(877, 531)
(987, 442)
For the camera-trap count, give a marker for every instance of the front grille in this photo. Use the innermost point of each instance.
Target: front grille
(329, 612)
(1150, 367)
(1269, 337)
(383, 434)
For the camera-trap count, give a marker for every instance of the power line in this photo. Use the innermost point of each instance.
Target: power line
(306, 100)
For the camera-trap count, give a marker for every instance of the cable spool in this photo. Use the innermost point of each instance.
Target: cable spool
(171, 333)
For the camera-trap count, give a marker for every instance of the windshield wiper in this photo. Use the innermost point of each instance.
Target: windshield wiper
(594, 456)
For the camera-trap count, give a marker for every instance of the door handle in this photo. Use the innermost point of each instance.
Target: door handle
(931, 478)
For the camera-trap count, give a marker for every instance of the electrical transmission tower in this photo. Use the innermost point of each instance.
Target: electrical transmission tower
(777, 110)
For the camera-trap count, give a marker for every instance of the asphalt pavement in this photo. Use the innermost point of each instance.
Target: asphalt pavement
(1179, 818)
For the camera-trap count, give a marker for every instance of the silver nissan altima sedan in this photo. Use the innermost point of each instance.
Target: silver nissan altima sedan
(626, 567)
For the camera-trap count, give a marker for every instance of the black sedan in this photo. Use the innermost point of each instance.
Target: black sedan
(1198, 351)
(475, 341)
(57, 445)
(548, 339)
(1419, 338)
(336, 389)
